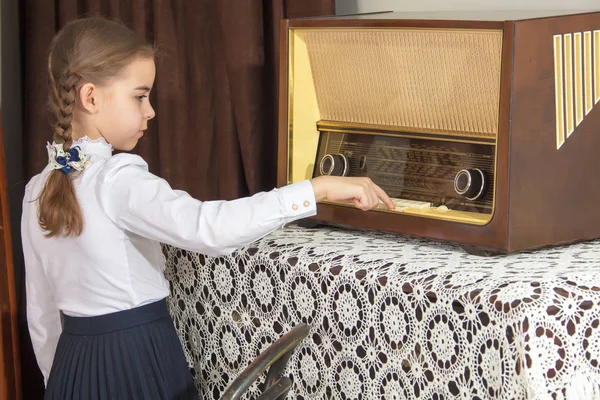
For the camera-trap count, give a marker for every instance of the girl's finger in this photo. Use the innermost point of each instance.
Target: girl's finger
(381, 194)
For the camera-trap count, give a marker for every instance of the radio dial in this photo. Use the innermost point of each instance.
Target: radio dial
(470, 183)
(334, 164)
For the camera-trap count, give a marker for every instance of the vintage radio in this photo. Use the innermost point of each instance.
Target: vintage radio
(484, 127)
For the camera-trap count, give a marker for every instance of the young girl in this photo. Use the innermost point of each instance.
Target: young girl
(92, 226)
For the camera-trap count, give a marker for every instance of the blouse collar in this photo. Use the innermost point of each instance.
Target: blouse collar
(99, 147)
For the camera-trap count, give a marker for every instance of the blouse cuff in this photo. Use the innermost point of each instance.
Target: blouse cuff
(298, 200)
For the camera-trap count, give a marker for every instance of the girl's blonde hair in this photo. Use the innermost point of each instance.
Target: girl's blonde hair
(85, 50)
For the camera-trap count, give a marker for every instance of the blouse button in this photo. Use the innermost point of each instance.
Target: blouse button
(306, 203)
(294, 207)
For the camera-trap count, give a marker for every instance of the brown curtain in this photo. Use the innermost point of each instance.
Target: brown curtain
(214, 134)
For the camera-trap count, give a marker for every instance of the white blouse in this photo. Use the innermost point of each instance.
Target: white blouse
(116, 263)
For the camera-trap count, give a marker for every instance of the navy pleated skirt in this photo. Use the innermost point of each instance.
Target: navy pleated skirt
(132, 354)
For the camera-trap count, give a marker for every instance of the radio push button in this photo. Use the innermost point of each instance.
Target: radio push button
(470, 183)
(334, 164)
(403, 204)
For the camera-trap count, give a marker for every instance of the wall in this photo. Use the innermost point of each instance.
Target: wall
(1, 63)
(10, 104)
(354, 6)
(12, 128)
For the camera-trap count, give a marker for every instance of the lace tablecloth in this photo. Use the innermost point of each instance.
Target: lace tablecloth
(393, 317)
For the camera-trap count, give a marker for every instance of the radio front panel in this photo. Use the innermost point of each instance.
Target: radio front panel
(437, 176)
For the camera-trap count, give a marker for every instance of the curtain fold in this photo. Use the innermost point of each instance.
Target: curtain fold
(215, 95)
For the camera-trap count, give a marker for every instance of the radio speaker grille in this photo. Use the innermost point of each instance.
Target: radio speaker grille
(439, 80)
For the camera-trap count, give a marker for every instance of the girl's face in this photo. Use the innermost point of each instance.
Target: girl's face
(124, 106)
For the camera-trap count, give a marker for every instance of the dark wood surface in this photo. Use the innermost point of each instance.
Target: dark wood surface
(461, 15)
(10, 387)
(554, 194)
(358, 21)
(282, 129)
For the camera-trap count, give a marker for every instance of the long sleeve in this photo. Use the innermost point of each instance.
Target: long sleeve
(43, 316)
(145, 204)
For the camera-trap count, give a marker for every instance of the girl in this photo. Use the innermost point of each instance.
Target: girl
(92, 225)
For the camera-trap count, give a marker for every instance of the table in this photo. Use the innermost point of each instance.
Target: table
(393, 316)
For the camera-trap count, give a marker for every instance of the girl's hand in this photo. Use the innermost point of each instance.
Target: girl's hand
(362, 192)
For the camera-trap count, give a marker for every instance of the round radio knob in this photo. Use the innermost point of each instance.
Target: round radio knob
(470, 183)
(334, 164)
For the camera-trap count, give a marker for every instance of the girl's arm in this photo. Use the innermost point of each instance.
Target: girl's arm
(145, 204)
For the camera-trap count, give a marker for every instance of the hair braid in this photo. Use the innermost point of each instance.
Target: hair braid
(59, 210)
(67, 93)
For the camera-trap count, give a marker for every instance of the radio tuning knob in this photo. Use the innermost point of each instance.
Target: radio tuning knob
(334, 164)
(470, 183)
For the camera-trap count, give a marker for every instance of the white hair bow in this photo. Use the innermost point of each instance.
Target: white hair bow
(66, 161)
